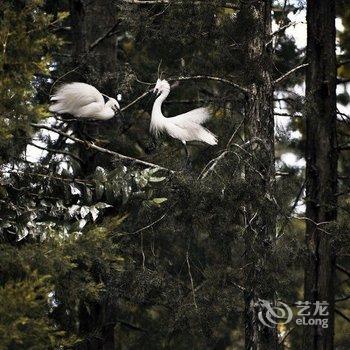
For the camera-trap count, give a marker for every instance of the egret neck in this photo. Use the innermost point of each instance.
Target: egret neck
(157, 117)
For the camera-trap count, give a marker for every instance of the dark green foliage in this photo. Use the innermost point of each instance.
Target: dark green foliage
(94, 249)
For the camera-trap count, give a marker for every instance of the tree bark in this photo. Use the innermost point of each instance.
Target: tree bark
(94, 50)
(260, 175)
(321, 165)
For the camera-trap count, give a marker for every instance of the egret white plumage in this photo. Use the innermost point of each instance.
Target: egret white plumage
(83, 101)
(184, 127)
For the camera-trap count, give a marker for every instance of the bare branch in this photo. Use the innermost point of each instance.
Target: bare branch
(342, 298)
(166, 2)
(101, 149)
(287, 115)
(148, 226)
(286, 336)
(136, 100)
(281, 29)
(297, 198)
(342, 315)
(342, 269)
(235, 132)
(109, 33)
(56, 151)
(286, 75)
(208, 77)
(191, 279)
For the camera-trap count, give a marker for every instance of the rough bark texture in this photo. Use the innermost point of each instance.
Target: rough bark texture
(260, 174)
(321, 168)
(94, 45)
(94, 50)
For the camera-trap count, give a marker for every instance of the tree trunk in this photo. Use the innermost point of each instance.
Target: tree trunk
(260, 175)
(94, 50)
(94, 45)
(321, 165)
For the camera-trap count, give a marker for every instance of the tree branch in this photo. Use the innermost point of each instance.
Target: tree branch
(281, 29)
(286, 75)
(208, 77)
(342, 315)
(342, 298)
(288, 115)
(342, 269)
(101, 149)
(55, 151)
(136, 100)
(109, 33)
(166, 2)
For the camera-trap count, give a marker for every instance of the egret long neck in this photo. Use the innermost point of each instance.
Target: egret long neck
(157, 107)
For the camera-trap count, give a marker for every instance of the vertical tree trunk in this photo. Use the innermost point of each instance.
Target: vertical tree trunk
(321, 166)
(260, 175)
(94, 45)
(94, 50)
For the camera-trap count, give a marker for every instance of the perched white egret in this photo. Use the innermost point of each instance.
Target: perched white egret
(83, 101)
(184, 127)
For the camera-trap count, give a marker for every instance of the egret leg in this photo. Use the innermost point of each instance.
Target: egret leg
(188, 164)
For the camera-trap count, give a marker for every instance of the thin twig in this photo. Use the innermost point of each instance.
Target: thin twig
(285, 337)
(342, 315)
(101, 149)
(136, 100)
(342, 269)
(342, 298)
(109, 33)
(297, 198)
(166, 2)
(235, 132)
(281, 29)
(55, 151)
(191, 279)
(286, 75)
(287, 115)
(208, 77)
(148, 226)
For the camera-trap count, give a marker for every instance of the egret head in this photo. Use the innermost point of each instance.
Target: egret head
(162, 86)
(113, 103)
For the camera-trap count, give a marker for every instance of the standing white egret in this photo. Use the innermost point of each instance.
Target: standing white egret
(83, 101)
(184, 127)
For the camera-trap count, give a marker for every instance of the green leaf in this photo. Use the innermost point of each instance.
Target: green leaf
(158, 201)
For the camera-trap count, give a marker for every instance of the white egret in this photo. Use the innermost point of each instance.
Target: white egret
(83, 101)
(184, 127)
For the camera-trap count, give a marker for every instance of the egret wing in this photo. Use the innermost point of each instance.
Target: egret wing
(198, 116)
(190, 131)
(77, 95)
